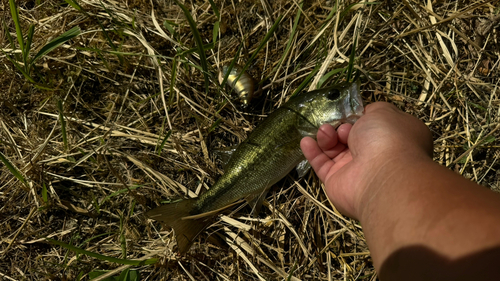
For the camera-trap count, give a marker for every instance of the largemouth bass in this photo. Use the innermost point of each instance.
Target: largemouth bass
(269, 153)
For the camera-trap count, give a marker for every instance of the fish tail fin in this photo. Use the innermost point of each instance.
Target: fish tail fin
(186, 230)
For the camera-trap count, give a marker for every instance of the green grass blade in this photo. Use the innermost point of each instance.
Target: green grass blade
(215, 32)
(330, 16)
(87, 241)
(216, 10)
(13, 170)
(73, 4)
(339, 77)
(262, 44)
(199, 43)
(96, 205)
(132, 208)
(206, 47)
(290, 275)
(123, 241)
(44, 193)
(120, 192)
(130, 275)
(323, 26)
(477, 106)
(224, 79)
(20, 68)
(15, 18)
(289, 44)
(9, 37)
(27, 47)
(43, 87)
(488, 139)
(350, 66)
(348, 8)
(63, 124)
(164, 141)
(307, 80)
(173, 78)
(232, 64)
(61, 39)
(99, 256)
(110, 42)
(327, 76)
(214, 125)
(168, 26)
(79, 276)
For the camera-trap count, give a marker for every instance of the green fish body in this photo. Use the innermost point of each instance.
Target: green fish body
(270, 152)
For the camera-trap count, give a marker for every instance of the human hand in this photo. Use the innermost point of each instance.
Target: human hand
(354, 161)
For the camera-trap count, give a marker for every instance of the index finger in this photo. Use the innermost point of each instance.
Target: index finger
(319, 161)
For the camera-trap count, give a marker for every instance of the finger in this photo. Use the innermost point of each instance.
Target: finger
(328, 141)
(319, 161)
(380, 105)
(327, 137)
(343, 132)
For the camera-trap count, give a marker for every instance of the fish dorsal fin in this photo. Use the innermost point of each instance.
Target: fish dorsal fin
(303, 167)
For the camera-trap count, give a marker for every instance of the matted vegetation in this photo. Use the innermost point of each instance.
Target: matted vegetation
(127, 115)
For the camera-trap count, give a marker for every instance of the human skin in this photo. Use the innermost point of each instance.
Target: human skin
(421, 220)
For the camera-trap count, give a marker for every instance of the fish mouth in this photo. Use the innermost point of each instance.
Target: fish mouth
(350, 106)
(353, 104)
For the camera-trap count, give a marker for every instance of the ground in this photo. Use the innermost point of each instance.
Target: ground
(120, 118)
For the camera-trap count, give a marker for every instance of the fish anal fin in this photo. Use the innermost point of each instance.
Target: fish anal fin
(210, 213)
(186, 231)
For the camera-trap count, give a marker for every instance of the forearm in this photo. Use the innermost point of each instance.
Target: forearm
(426, 206)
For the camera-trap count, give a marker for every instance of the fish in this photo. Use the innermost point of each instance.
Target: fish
(269, 153)
(244, 87)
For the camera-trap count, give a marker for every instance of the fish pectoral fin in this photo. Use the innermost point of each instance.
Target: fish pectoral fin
(210, 213)
(185, 230)
(288, 144)
(224, 154)
(307, 131)
(255, 201)
(303, 167)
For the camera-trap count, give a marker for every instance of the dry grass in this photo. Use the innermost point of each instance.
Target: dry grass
(439, 62)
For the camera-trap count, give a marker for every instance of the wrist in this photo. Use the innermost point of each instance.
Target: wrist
(383, 178)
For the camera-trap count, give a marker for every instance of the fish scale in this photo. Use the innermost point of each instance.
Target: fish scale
(269, 153)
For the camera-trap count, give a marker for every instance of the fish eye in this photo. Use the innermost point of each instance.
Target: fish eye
(333, 94)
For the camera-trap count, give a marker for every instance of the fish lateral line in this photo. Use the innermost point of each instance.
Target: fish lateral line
(300, 115)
